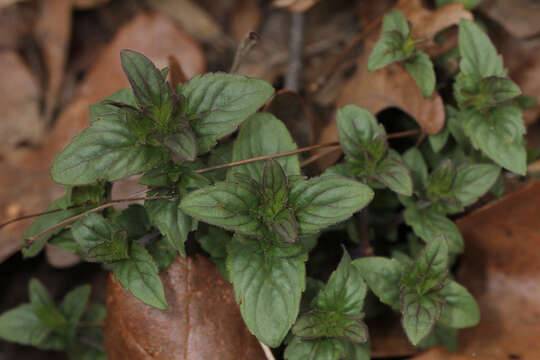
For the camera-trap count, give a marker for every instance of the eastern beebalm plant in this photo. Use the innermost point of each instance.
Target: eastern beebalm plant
(246, 201)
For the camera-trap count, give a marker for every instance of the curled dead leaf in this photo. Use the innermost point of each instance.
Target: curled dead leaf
(203, 321)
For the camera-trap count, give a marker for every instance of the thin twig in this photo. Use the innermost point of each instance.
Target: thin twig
(31, 239)
(29, 216)
(267, 157)
(243, 49)
(403, 134)
(296, 44)
(319, 155)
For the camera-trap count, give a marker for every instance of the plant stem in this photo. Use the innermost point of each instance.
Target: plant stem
(267, 157)
(31, 239)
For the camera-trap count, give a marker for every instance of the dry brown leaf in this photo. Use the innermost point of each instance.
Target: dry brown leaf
(52, 32)
(16, 22)
(295, 5)
(19, 101)
(203, 321)
(245, 17)
(392, 86)
(521, 18)
(26, 183)
(501, 267)
(194, 19)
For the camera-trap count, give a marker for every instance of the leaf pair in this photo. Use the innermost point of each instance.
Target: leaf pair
(397, 45)
(488, 115)
(43, 324)
(333, 328)
(445, 190)
(368, 157)
(134, 131)
(421, 290)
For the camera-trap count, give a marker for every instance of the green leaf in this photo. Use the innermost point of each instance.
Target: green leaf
(319, 349)
(420, 313)
(499, 134)
(427, 224)
(326, 200)
(439, 140)
(134, 219)
(331, 325)
(361, 137)
(478, 55)
(383, 278)
(92, 193)
(396, 21)
(162, 252)
(498, 89)
(43, 305)
(107, 150)
(388, 49)
(106, 108)
(284, 225)
(430, 268)
(22, 325)
(139, 275)
(263, 134)
(469, 4)
(268, 287)
(99, 239)
(473, 181)
(74, 304)
(392, 173)
(421, 69)
(417, 166)
(218, 103)
(228, 205)
(455, 126)
(44, 222)
(440, 181)
(182, 143)
(214, 241)
(440, 335)
(461, 310)
(148, 84)
(345, 290)
(275, 188)
(171, 221)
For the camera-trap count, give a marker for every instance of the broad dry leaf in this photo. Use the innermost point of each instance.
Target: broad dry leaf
(26, 184)
(193, 18)
(203, 321)
(392, 86)
(19, 101)
(521, 18)
(52, 32)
